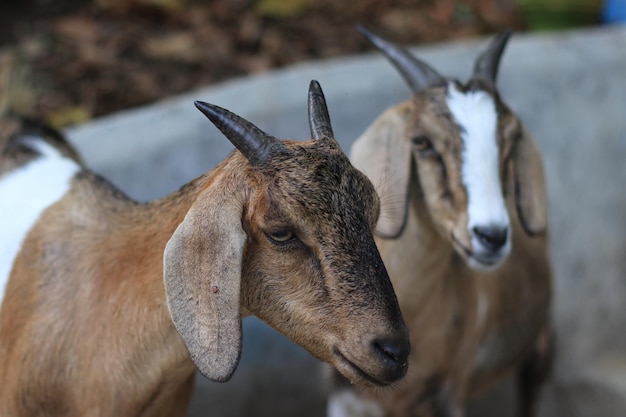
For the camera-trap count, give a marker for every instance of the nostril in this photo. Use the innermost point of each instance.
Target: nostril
(492, 238)
(396, 348)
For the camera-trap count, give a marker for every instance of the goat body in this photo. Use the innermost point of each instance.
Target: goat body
(110, 303)
(463, 234)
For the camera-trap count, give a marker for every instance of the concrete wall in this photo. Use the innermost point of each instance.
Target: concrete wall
(569, 89)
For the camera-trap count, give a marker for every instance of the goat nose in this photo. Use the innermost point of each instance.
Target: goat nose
(492, 238)
(394, 349)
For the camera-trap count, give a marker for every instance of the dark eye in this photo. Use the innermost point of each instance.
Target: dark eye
(280, 235)
(421, 143)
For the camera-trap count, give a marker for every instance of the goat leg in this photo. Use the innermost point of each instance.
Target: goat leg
(534, 373)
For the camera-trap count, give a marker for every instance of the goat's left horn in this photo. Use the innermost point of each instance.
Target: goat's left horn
(319, 120)
(416, 73)
(487, 64)
(256, 145)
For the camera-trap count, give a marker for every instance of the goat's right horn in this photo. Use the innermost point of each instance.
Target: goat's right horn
(486, 66)
(256, 145)
(416, 73)
(319, 120)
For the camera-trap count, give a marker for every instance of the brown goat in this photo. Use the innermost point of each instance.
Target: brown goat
(463, 234)
(110, 303)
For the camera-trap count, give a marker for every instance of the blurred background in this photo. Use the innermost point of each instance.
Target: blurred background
(88, 58)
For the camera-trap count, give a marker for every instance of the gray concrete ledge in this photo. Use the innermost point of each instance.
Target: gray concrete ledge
(569, 89)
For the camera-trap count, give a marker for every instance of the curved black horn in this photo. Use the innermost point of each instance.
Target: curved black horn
(319, 120)
(417, 73)
(257, 146)
(487, 64)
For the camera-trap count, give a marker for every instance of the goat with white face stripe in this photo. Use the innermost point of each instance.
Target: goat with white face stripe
(460, 137)
(462, 232)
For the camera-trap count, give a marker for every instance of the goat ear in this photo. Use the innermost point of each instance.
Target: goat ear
(529, 186)
(383, 153)
(202, 274)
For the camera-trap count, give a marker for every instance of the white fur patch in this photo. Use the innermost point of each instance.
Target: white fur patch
(346, 403)
(475, 113)
(24, 194)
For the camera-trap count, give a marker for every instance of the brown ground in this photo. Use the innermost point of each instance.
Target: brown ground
(87, 58)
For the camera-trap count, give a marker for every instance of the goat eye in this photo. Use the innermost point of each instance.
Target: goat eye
(281, 235)
(421, 143)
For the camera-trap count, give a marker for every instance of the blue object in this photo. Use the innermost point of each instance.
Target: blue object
(614, 11)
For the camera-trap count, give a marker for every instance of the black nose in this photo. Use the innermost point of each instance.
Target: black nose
(394, 350)
(492, 238)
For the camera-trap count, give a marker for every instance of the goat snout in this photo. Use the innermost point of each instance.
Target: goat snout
(393, 351)
(490, 245)
(491, 238)
(379, 361)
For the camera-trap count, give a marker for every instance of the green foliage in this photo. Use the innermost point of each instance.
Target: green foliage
(281, 8)
(560, 14)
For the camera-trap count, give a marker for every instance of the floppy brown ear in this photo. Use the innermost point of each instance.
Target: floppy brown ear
(383, 153)
(529, 186)
(202, 274)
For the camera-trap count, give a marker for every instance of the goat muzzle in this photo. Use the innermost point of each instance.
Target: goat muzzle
(384, 362)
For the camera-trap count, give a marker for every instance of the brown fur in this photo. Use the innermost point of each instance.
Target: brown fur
(458, 350)
(85, 328)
